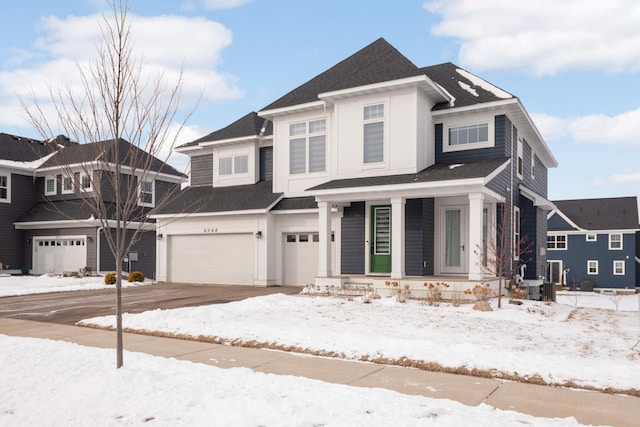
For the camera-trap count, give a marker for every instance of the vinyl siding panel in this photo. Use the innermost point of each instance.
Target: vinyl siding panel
(145, 247)
(202, 170)
(419, 237)
(266, 163)
(353, 238)
(499, 149)
(12, 241)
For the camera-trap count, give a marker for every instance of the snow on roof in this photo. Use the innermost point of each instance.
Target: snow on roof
(468, 88)
(29, 166)
(477, 81)
(452, 99)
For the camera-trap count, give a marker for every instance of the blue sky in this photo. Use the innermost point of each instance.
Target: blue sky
(574, 64)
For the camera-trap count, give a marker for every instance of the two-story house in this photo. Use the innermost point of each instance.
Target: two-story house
(373, 170)
(46, 226)
(591, 243)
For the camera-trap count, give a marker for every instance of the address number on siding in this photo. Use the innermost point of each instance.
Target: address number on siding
(210, 230)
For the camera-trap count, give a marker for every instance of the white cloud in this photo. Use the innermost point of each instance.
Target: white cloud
(632, 180)
(622, 129)
(213, 4)
(545, 36)
(164, 44)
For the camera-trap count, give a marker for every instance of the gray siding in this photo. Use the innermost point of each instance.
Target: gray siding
(12, 241)
(529, 224)
(353, 239)
(419, 237)
(500, 149)
(146, 249)
(202, 170)
(266, 164)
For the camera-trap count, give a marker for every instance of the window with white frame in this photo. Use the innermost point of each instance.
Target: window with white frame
(533, 165)
(67, 184)
(592, 267)
(146, 193)
(516, 232)
(5, 188)
(557, 241)
(233, 165)
(85, 182)
(307, 146)
(615, 241)
(373, 134)
(618, 268)
(520, 163)
(592, 237)
(50, 185)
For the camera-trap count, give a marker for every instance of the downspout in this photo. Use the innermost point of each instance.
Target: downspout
(98, 249)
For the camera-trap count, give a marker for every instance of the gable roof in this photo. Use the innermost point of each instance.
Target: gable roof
(618, 213)
(251, 125)
(465, 87)
(20, 149)
(104, 152)
(62, 210)
(376, 63)
(209, 199)
(438, 172)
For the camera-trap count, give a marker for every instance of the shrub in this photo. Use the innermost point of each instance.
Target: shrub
(481, 293)
(135, 276)
(110, 279)
(434, 293)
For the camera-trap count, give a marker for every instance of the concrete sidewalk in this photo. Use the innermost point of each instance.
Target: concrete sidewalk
(587, 407)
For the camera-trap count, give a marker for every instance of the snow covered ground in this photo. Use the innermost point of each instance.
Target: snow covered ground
(26, 285)
(56, 383)
(558, 343)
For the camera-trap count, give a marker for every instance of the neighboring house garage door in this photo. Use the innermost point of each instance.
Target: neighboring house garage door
(301, 251)
(224, 259)
(57, 254)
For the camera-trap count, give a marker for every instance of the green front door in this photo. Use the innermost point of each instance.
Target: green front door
(381, 239)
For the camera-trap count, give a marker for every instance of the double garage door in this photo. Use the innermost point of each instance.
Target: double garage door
(223, 259)
(57, 254)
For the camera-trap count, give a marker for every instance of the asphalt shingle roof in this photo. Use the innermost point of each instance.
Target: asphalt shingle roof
(249, 125)
(21, 149)
(438, 172)
(296, 203)
(618, 213)
(104, 151)
(222, 199)
(61, 210)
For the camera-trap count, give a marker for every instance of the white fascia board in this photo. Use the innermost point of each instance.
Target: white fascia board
(497, 171)
(309, 106)
(418, 81)
(238, 140)
(583, 232)
(557, 211)
(487, 106)
(537, 199)
(423, 189)
(97, 165)
(205, 214)
(187, 150)
(75, 223)
(295, 211)
(551, 161)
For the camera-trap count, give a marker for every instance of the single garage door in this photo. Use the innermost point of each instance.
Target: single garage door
(301, 251)
(224, 259)
(57, 254)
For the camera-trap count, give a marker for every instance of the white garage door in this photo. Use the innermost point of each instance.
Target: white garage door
(57, 254)
(224, 259)
(301, 251)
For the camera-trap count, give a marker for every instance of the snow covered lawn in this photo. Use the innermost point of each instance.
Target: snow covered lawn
(62, 384)
(555, 343)
(26, 285)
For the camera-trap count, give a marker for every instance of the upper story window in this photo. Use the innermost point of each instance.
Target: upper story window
(50, 186)
(67, 185)
(615, 241)
(468, 136)
(520, 159)
(557, 241)
(307, 146)
(5, 188)
(146, 193)
(592, 237)
(533, 165)
(77, 182)
(233, 165)
(85, 182)
(373, 142)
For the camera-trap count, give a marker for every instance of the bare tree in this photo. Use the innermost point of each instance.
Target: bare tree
(121, 120)
(502, 255)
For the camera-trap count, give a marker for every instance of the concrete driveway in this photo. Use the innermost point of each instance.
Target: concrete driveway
(70, 307)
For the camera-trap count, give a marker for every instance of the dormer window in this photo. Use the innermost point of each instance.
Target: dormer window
(373, 141)
(467, 136)
(50, 187)
(307, 146)
(233, 165)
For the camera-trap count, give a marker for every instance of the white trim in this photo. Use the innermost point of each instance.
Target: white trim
(64, 179)
(566, 218)
(76, 223)
(520, 158)
(309, 106)
(490, 142)
(621, 241)
(517, 234)
(153, 193)
(556, 248)
(583, 232)
(620, 262)
(597, 267)
(108, 166)
(537, 199)
(55, 185)
(594, 235)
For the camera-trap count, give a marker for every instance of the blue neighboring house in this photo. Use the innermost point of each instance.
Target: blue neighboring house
(592, 243)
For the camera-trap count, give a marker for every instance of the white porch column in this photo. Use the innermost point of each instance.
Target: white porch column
(324, 234)
(476, 271)
(397, 237)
